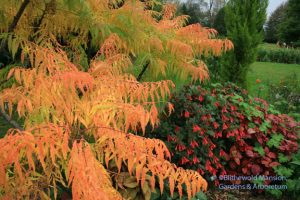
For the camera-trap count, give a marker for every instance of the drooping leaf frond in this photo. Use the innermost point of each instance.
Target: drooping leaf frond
(31, 161)
(63, 107)
(125, 30)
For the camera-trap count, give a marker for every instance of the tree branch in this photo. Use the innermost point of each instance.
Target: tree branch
(50, 8)
(18, 16)
(143, 71)
(14, 23)
(10, 120)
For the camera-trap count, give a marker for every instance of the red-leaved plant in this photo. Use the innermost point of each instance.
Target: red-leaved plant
(221, 130)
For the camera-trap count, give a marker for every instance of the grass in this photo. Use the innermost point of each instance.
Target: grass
(269, 46)
(267, 72)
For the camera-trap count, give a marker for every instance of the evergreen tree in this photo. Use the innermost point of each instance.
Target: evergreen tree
(273, 24)
(290, 26)
(219, 23)
(244, 21)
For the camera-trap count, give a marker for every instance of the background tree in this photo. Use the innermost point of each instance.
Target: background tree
(195, 9)
(290, 26)
(201, 11)
(244, 23)
(213, 8)
(219, 22)
(273, 24)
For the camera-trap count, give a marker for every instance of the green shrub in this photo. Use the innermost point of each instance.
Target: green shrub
(279, 55)
(221, 130)
(245, 30)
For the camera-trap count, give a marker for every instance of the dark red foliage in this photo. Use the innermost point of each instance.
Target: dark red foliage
(219, 131)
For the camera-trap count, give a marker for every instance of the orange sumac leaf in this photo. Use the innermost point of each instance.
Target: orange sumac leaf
(10, 73)
(172, 185)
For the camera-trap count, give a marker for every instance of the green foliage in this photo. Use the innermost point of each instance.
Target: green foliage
(294, 183)
(285, 96)
(200, 196)
(244, 23)
(214, 65)
(219, 23)
(273, 24)
(275, 140)
(282, 158)
(291, 171)
(279, 55)
(283, 171)
(259, 149)
(289, 30)
(166, 194)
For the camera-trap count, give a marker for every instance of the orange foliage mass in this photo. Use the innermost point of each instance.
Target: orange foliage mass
(64, 108)
(55, 98)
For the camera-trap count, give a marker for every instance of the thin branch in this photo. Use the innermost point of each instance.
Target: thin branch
(143, 71)
(49, 9)
(18, 16)
(10, 120)
(14, 23)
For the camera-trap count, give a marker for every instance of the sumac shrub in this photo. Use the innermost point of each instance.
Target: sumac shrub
(221, 130)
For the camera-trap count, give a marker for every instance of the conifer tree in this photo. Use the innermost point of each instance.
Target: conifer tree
(274, 22)
(244, 23)
(219, 23)
(290, 26)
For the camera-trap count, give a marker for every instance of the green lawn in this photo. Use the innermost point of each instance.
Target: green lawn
(269, 46)
(268, 72)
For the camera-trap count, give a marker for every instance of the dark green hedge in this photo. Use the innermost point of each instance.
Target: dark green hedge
(280, 55)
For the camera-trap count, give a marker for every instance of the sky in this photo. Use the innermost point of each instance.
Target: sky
(273, 4)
